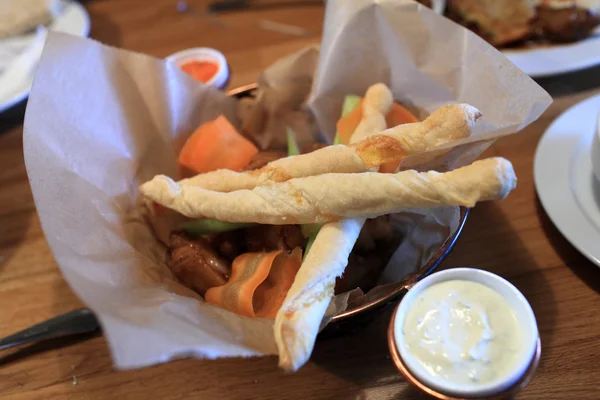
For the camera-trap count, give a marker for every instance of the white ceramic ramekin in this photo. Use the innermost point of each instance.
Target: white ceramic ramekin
(220, 79)
(528, 357)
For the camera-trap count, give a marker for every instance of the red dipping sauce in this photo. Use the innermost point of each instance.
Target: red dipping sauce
(200, 70)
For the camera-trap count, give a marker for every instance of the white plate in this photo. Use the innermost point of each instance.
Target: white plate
(564, 179)
(557, 59)
(73, 19)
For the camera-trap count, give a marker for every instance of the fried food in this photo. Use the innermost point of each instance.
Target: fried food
(195, 263)
(20, 16)
(262, 158)
(506, 22)
(566, 23)
(274, 237)
(500, 22)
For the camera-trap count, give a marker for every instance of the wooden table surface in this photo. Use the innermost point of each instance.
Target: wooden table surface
(513, 238)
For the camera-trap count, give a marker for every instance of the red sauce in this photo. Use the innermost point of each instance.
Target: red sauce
(200, 70)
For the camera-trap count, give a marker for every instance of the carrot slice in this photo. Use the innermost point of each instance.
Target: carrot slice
(258, 284)
(390, 167)
(399, 115)
(347, 124)
(269, 296)
(216, 145)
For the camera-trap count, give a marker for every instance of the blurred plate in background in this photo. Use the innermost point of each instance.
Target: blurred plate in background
(564, 177)
(555, 59)
(71, 18)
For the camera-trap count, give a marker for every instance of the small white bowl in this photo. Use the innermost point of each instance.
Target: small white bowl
(220, 79)
(518, 304)
(596, 150)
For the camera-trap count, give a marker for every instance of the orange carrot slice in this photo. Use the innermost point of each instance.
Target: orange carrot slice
(347, 124)
(258, 284)
(389, 168)
(399, 115)
(216, 145)
(269, 296)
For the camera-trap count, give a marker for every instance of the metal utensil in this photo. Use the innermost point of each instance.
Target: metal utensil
(74, 322)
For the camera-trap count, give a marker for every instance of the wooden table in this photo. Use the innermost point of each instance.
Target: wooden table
(513, 238)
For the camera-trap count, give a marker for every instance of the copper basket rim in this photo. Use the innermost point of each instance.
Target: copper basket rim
(403, 369)
(393, 290)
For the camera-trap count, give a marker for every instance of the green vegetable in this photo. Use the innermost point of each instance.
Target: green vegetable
(350, 103)
(293, 149)
(209, 226)
(336, 139)
(309, 244)
(309, 230)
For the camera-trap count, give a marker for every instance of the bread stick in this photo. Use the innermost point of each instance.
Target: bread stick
(445, 125)
(331, 197)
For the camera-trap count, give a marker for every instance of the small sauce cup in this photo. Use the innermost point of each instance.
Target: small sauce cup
(220, 79)
(528, 356)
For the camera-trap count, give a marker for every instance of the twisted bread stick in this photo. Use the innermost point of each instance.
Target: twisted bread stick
(331, 197)
(298, 319)
(444, 125)
(376, 104)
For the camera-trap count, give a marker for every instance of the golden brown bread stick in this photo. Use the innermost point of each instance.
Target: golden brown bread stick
(330, 197)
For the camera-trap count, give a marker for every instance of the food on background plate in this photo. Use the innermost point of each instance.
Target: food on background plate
(500, 22)
(273, 240)
(20, 16)
(567, 20)
(505, 23)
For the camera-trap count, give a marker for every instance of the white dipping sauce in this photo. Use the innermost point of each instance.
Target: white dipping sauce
(463, 332)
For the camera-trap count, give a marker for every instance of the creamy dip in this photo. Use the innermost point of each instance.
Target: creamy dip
(462, 332)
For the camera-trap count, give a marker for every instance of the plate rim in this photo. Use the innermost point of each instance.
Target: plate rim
(551, 206)
(585, 46)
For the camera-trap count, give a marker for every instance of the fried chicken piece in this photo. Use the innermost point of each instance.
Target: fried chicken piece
(310, 147)
(262, 158)
(376, 244)
(500, 22)
(196, 264)
(227, 244)
(274, 237)
(364, 269)
(374, 230)
(566, 24)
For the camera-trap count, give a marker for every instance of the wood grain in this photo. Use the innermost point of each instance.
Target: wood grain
(513, 238)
